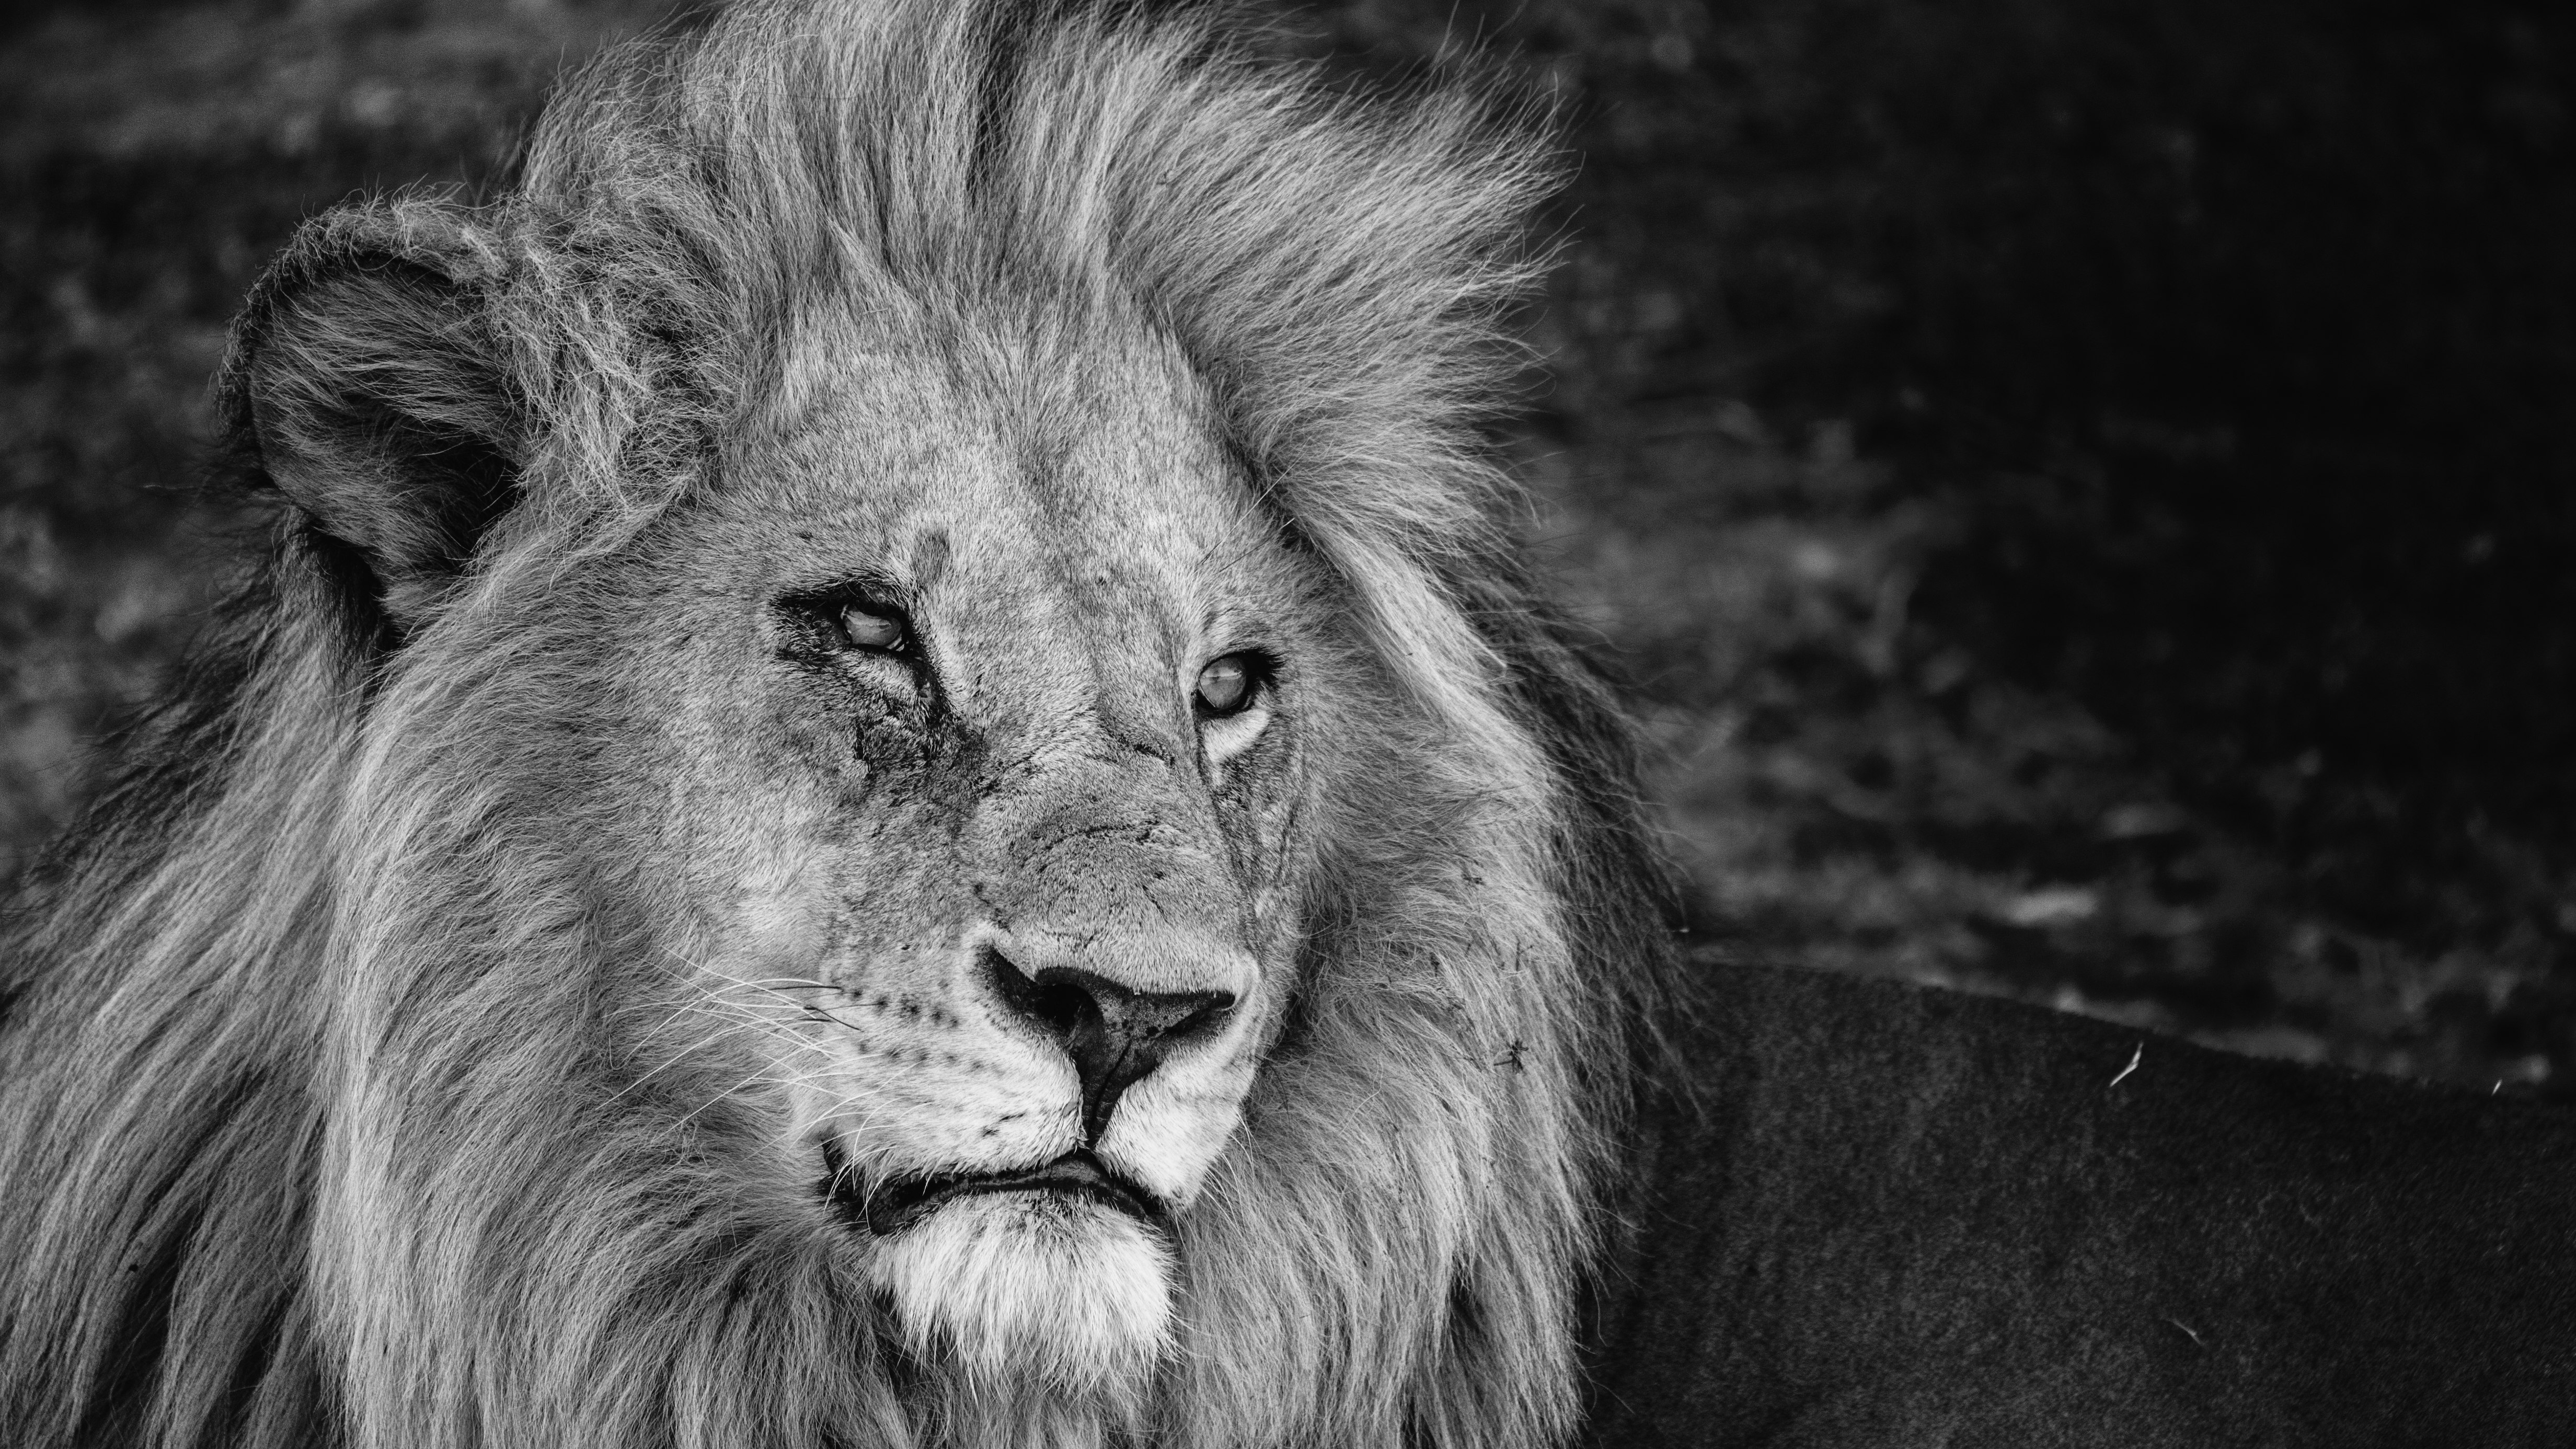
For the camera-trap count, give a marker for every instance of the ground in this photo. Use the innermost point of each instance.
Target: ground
(2080, 490)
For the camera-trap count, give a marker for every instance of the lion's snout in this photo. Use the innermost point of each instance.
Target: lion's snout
(1115, 1033)
(1118, 1004)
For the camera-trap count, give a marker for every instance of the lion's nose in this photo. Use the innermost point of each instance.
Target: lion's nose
(1114, 1033)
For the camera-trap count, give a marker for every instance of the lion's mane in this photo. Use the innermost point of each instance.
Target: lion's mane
(286, 933)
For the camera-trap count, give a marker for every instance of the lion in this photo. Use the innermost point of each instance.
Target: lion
(890, 780)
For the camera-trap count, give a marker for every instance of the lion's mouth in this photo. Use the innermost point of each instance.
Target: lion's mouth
(897, 1205)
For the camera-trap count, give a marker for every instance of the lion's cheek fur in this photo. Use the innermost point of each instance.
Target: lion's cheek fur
(1169, 1130)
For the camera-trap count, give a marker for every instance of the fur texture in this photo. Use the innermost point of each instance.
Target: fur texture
(474, 1011)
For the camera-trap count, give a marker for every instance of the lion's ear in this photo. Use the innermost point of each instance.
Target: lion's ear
(366, 374)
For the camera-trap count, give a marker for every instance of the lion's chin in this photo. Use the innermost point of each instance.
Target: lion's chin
(1012, 1286)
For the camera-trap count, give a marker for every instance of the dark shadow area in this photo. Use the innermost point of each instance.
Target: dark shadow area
(2218, 359)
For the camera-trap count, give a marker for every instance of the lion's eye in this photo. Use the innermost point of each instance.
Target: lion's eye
(872, 629)
(1225, 685)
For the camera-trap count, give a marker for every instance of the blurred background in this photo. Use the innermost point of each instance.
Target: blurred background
(2082, 489)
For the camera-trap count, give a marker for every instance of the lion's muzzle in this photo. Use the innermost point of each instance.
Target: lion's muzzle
(1114, 1033)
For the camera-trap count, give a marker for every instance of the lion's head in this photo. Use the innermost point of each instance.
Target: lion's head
(889, 785)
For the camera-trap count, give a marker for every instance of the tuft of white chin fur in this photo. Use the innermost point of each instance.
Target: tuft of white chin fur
(1028, 1289)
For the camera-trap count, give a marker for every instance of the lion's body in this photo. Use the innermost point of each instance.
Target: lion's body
(1887, 1216)
(713, 754)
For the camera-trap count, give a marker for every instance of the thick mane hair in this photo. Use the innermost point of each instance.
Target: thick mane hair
(287, 938)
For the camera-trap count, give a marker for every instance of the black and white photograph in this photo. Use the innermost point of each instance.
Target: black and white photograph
(1287, 724)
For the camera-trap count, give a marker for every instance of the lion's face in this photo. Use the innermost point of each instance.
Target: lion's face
(980, 715)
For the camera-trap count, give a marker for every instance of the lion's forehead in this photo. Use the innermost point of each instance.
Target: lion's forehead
(1059, 502)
